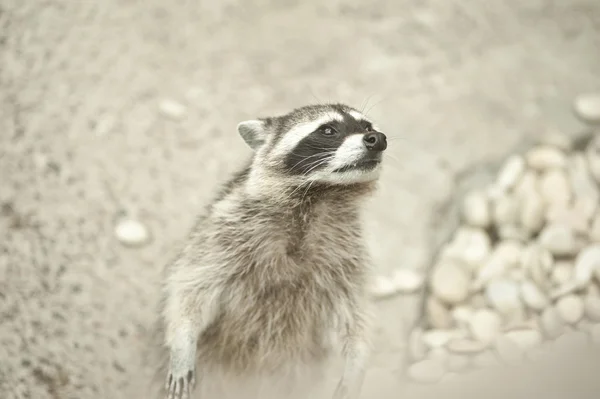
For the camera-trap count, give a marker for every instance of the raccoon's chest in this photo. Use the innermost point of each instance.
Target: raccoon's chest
(288, 288)
(290, 306)
(265, 324)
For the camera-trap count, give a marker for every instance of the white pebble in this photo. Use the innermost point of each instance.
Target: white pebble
(172, 109)
(533, 213)
(527, 185)
(516, 318)
(476, 210)
(474, 243)
(426, 371)
(587, 107)
(559, 239)
(562, 272)
(131, 232)
(586, 264)
(403, 281)
(438, 314)
(505, 256)
(592, 308)
(465, 346)
(525, 338)
(382, 286)
(582, 181)
(105, 124)
(450, 282)
(510, 251)
(505, 210)
(462, 314)
(532, 296)
(586, 207)
(485, 325)
(573, 216)
(493, 268)
(438, 338)
(570, 308)
(566, 289)
(504, 296)
(517, 275)
(537, 261)
(545, 157)
(510, 172)
(551, 323)
(513, 232)
(407, 280)
(555, 187)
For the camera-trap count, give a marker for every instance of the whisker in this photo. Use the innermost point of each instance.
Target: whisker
(312, 167)
(374, 105)
(317, 164)
(296, 189)
(307, 189)
(392, 157)
(319, 102)
(327, 149)
(304, 159)
(366, 102)
(290, 195)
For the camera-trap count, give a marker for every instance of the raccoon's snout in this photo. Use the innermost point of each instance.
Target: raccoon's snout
(375, 141)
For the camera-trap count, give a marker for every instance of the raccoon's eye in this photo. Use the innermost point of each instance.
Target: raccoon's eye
(327, 131)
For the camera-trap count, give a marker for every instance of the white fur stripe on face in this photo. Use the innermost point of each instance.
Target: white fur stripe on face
(291, 139)
(349, 177)
(360, 117)
(357, 115)
(351, 150)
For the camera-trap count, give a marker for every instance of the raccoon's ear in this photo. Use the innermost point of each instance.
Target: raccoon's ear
(254, 132)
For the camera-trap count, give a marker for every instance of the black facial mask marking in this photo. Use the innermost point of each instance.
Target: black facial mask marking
(314, 151)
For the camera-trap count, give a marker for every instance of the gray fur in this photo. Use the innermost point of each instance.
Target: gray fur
(253, 132)
(272, 278)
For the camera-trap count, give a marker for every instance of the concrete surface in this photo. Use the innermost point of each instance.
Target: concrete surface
(81, 141)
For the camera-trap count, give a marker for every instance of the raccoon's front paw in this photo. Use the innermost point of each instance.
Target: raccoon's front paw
(180, 382)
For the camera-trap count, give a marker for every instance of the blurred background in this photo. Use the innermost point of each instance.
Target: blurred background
(117, 124)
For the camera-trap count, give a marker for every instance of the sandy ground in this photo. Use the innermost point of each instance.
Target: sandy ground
(82, 141)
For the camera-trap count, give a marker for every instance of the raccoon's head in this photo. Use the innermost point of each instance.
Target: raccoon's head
(331, 143)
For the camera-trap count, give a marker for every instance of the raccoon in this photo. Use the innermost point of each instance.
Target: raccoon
(271, 284)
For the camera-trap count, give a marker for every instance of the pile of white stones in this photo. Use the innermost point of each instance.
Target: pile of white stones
(523, 267)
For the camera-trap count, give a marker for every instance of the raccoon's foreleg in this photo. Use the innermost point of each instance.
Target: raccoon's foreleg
(354, 336)
(190, 307)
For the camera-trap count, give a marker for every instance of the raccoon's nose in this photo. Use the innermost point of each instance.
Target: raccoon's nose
(375, 141)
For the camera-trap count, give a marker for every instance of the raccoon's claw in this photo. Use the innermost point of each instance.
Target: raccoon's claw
(179, 385)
